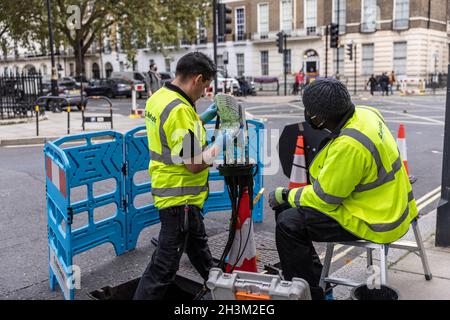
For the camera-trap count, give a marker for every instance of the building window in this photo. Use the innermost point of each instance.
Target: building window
(286, 15)
(310, 16)
(288, 61)
(367, 59)
(341, 52)
(401, 15)
(400, 51)
(369, 19)
(265, 63)
(71, 69)
(202, 32)
(340, 14)
(240, 24)
(168, 62)
(240, 64)
(263, 18)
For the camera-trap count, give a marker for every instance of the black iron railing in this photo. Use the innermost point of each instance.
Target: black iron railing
(18, 93)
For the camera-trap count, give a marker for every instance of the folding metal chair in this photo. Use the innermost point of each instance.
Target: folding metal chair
(417, 248)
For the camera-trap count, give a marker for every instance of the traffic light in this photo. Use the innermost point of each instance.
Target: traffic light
(334, 35)
(280, 41)
(224, 19)
(349, 50)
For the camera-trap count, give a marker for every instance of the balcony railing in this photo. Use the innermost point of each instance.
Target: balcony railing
(202, 40)
(311, 31)
(369, 26)
(241, 36)
(400, 24)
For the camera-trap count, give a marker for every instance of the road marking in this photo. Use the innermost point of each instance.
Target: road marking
(413, 122)
(426, 203)
(336, 247)
(24, 146)
(413, 116)
(428, 195)
(276, 116)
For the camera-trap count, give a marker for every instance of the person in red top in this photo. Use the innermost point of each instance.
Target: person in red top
(299, 82)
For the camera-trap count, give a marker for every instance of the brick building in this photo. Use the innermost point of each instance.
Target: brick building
(408, 36)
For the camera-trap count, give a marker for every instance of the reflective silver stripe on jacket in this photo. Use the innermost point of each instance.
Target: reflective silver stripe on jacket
(166, 156)
(383, 176)
(324, 196)
(384, 227)
(297, 197)
(179, 191)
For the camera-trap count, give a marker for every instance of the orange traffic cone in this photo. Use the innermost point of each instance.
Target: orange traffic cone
(298, 173)
(401, 142)
(242, 255)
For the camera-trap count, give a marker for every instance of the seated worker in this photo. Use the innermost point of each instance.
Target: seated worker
(360, 188)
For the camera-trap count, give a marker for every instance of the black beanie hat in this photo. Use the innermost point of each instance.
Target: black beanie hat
(327, 99)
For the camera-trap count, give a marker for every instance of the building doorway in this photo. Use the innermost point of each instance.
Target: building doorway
(108, 69)
(95, 71)
(311, 65)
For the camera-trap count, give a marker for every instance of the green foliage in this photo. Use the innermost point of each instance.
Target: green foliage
(163, 22)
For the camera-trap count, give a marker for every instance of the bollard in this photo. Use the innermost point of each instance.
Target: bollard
(68, 119)
(82, 117)
(37, 120)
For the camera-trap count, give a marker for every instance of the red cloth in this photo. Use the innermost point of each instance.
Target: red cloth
(299, 77)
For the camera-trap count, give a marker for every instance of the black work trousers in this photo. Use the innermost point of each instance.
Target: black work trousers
(296, 229)
(173, 240)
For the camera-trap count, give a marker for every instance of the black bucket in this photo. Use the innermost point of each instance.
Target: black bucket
(181, 289)
(362, 292)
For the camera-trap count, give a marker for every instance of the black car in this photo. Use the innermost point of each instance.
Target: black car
(110, 88)
(166, 77)
(69, 93)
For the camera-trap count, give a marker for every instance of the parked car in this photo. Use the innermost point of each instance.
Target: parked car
(111, 88)
(78, 80)
(69, 93)
(231, 84)
(137, 77)
(167, 77)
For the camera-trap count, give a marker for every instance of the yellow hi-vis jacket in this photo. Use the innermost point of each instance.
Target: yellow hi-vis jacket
(170, 120)
(359, 180)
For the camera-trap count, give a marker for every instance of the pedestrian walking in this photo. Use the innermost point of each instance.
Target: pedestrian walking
(384, 83)
(392, 82)
(373, 84)
(154, 78)
(356, 176)
(179, 173)
(299, 82)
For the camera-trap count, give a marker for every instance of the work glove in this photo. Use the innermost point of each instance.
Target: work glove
(276, 198)
(209, 114)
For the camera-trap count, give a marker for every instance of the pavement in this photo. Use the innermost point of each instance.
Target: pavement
(23, 239)
(405, 272)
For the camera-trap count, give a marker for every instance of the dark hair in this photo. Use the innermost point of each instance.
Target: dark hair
(196, 63)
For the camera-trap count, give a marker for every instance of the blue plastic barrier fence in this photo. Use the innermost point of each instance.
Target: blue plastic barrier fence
(110, 158)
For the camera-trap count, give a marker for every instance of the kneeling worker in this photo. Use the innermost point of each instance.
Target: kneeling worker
(179, 174)
(360, 188)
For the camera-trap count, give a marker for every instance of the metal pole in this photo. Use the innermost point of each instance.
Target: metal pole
(68, 118)
(54, 81)
(81, 67)
(215, 40)
(337, 49)
(285, 63)
(327, 33)
(443, 210)
(37, 120)
(355, 57)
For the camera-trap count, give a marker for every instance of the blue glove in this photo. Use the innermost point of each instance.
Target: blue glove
(209, 114)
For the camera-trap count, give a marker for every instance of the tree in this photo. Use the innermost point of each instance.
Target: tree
(143, 23)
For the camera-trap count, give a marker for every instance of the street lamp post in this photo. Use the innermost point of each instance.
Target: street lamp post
(54, 81)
